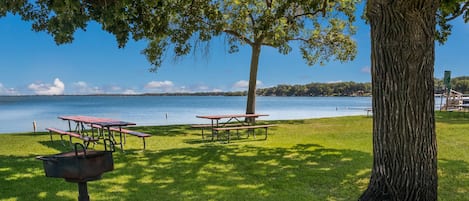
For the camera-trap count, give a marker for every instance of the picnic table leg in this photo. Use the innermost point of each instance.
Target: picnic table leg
(92, 130)
(101, 133)
(77, 127)
(82, 129)
(110, 136)
(214, 132)
(71, 143)
(69, 126)
(120, 137)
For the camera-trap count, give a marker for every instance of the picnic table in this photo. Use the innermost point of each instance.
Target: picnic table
(81, 123)
(234, 122)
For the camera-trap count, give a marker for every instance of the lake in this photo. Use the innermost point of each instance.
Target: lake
(18, 112)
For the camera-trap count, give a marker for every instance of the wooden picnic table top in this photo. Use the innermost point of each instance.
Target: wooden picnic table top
(230, 116)
(106, 122)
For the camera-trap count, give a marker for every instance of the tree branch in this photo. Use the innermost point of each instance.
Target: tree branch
(239, 36)
(323, 10)
(299, 39)
(270, 44)
(252, 19)
(459, 12)
(269, 3)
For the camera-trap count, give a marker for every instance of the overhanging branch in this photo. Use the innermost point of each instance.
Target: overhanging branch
(459, 12)
(239, 36)
(312, 14)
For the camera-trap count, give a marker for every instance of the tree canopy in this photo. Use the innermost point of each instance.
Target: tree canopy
(321, 29)
(450, 10)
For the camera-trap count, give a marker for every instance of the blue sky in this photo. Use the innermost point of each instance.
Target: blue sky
(31, 63)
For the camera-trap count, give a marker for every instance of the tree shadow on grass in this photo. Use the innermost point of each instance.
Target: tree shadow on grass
(235, 136)
(304, 172)
(22, 178)
(290, 122)
(171, 130)
(220, 172)
(210, 172)
(60, 146)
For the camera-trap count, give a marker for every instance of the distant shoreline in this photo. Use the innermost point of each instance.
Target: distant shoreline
(174, 94)
(171, 94)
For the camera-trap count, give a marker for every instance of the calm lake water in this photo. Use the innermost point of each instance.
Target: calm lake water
(18, 113)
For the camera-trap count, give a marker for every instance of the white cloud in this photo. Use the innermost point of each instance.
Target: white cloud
(366, 69)
(48, 89)
(162, 86)
(241, 84)
(159, 85)
(80, 84)
(82, 87)
(244, 84)
(129, 92)
(116, 88)
(335, 81)
(7, 91)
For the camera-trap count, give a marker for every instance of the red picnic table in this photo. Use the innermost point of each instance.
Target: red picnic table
(97, 122)
(232, 118)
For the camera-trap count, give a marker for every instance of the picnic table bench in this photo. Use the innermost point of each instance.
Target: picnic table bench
(86, 139)
(127, 131)
(134, 133)
(235, 122)
(209, 126)
(248, 127)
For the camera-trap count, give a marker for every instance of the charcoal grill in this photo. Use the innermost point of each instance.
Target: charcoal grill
(79, 166)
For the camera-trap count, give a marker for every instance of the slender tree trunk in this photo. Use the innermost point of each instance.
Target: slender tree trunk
(251, 103)
(404, 139)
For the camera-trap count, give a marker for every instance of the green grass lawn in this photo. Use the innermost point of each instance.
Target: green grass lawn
(316, 159)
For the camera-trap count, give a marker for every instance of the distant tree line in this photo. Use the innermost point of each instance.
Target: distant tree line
(460, 84)
(312, 89)
(319, 89)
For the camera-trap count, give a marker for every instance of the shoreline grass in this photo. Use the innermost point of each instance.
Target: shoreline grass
(310, 159)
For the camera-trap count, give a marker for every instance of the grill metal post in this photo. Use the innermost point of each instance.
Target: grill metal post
(83, 191)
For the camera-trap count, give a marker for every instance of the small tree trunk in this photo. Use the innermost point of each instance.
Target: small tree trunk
(251, 103)
(404, 139)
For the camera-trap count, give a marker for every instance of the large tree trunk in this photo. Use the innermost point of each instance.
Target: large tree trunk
(404, 140)
(251, 103)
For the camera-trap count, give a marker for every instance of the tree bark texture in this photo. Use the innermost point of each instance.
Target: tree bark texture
(251, 103)
(402, 63)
